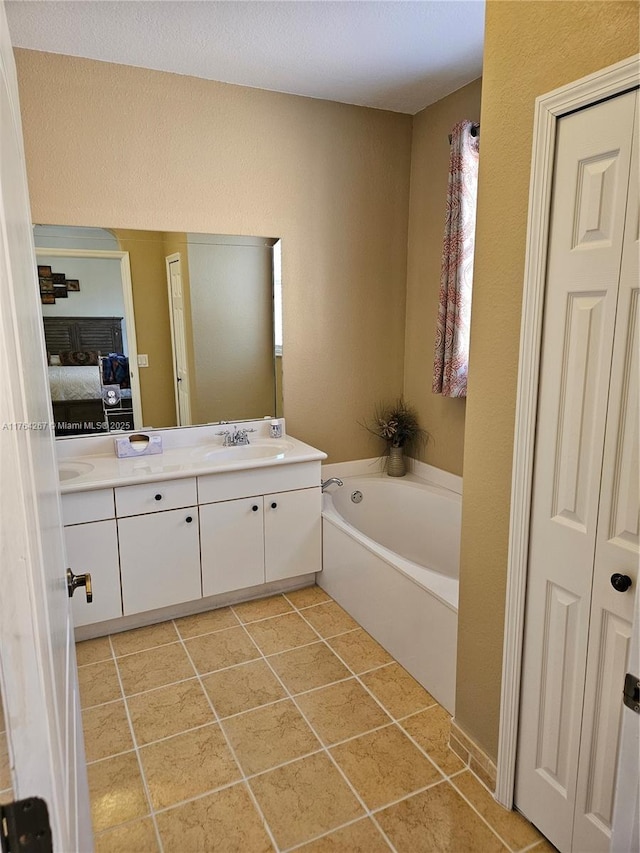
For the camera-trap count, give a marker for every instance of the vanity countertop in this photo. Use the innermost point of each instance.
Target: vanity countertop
(95, 465)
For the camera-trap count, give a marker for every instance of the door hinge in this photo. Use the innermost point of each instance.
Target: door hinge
(632, 692)
(25, 827)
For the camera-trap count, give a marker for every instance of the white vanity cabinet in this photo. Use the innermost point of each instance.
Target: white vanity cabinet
(259, 535)
(156, 544)
(159, 559)
(159, 544)
(92, 546)
(292, 533)
(232, 545)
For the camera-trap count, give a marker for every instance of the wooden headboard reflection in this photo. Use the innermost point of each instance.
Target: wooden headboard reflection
(80, 334)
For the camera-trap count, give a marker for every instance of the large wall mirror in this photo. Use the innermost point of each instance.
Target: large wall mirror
(159, 329)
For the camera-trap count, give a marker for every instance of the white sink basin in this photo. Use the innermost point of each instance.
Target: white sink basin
(71, 470)
(260, 449)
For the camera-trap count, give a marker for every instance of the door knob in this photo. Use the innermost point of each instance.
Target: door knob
(620, 583)
(74, 581)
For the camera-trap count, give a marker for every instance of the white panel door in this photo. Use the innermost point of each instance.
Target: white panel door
(179, 340)
(93, 548)
(232, 545)
(292, 533)
(37, 653)
(625, 833)
(617, 550)
(159, 559)
(593, 156)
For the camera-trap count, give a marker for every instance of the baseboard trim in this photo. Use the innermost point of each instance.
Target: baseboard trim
(473, 756)
(189, 608)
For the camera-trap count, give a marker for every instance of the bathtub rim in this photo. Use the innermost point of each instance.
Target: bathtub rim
(448, 597)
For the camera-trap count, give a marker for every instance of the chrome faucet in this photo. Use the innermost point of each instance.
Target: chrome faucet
(241, 438)
(330, 482)
(237, 438)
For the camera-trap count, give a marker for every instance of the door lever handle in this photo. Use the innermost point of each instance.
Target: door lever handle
(75, 581)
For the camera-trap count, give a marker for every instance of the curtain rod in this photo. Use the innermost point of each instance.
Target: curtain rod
(475, 131)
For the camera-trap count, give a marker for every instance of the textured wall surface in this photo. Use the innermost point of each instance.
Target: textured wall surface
(530, 49)
(153, 332)
(442, 417)
(123, 147)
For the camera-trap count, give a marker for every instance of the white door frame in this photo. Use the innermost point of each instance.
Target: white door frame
(37, 654)
(169, 259)
(129, 315)
(549, 108)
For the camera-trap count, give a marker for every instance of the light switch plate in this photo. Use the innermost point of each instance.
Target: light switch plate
(143, 360)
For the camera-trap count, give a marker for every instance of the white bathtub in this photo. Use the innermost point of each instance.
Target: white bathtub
(392, 562)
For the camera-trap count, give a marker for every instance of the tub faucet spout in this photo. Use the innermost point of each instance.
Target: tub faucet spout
(331, 481)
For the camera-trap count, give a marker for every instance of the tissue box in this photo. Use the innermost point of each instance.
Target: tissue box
(138, 444)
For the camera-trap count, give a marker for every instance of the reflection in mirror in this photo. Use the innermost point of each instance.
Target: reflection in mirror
(185, 328)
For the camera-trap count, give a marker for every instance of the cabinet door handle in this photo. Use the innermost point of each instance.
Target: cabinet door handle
(274, 505)
(620, 582)
(255, 508)
(158, 497)
(188, 519)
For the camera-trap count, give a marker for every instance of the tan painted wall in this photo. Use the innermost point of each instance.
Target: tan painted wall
(530, 48)
(443, 417)
(121, 146)
(153, 333)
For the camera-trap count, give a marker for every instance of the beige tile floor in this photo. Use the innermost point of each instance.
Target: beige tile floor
(6, 794)
(275, 725)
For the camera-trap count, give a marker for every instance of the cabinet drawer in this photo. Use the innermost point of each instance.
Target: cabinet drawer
(154, 497)
(80, 507)
(244, 484)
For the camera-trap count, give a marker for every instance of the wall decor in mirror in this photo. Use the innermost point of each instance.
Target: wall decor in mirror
(165, 328)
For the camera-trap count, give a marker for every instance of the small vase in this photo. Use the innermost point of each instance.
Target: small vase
(396, 466)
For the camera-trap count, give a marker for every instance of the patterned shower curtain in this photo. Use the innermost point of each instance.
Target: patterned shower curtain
(456, 274)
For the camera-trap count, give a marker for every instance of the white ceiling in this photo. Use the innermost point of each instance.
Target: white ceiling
(398, 56)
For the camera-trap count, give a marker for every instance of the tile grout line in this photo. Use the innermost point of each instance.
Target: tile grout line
(394, 719)
(324, 748)
(127, 823)
(484, 819)
(531, 847)
(291, 696)
(397, 722)
(233, 666)
(243, 779)
(326, 834)
(143, 778)
(386, 711)
(249, 776)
